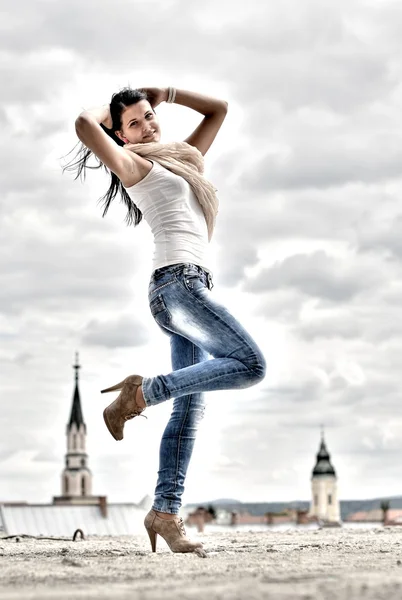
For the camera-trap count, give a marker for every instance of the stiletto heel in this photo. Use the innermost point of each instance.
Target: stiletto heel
(114, 388)
(152, 537)
(124, 407)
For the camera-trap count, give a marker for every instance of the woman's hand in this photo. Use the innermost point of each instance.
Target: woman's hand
(155, 95)
(106, 117)
(101, 114)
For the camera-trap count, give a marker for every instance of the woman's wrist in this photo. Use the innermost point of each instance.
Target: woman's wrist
(171, 95)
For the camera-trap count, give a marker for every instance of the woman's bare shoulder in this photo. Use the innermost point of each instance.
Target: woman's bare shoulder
(136, 168)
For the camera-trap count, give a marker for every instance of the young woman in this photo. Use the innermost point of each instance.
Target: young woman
(164, 183)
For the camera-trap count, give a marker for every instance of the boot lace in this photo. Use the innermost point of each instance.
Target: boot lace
(181, 526)
(134, 414)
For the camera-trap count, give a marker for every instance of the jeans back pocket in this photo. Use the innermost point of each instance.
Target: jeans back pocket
(160, 311)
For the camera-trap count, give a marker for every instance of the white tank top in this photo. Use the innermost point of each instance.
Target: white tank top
(175, 217)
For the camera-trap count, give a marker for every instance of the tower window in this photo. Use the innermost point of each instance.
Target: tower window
(74, 441)
(83, 486)
(66, 485)
(329, 498)
(82, 462)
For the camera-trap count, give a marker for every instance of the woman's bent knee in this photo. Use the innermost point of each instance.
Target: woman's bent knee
(258, 368)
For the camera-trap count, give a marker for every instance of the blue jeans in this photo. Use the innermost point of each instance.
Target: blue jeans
(198, 326)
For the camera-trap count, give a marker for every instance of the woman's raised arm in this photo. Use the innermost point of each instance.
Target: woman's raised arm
(214, 112)
(89, 130)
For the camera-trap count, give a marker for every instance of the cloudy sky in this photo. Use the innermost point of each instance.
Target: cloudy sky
(307, 251)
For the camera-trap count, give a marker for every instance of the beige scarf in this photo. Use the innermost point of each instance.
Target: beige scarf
(187, 162)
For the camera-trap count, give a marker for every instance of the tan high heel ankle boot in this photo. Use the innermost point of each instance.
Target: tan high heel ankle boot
(173, 532)
(124, 407)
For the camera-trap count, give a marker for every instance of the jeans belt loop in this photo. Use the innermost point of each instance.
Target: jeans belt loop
(209, 279)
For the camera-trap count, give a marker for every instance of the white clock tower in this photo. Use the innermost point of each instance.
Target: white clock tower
(324, 504)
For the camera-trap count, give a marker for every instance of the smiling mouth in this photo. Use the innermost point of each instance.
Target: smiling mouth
(149, 136)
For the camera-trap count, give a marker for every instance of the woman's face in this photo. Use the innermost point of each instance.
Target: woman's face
(139, 124)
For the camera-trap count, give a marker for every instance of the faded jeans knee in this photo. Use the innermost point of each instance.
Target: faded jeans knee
(255, 362)
(259, 367)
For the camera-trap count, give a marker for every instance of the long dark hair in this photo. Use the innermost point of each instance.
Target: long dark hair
(80, 162)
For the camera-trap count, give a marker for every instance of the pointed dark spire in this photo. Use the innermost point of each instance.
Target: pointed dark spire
(76, 411)
(323, 465)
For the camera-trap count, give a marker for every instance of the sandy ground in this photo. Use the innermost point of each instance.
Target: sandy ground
(331, 564)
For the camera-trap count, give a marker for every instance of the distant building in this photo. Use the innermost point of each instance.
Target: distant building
(76, 479)
(325, 505)
(376, 515)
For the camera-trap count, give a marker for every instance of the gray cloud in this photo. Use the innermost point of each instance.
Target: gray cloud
(41, 270)
(32, 75)
(124, 331)
(318, 164)
(341, 325)
(384, 235)
(317, 275)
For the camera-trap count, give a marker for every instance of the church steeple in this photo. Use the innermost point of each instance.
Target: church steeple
(76, 477)
(76, 410)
